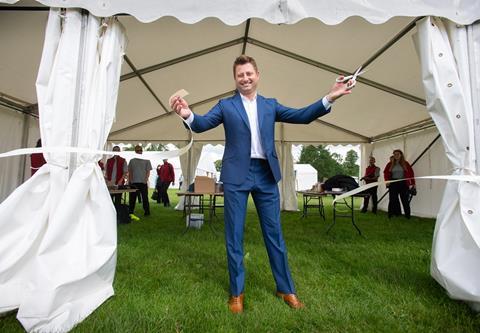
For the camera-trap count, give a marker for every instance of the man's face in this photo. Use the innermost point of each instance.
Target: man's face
(372, 161)
(246, 78)
(138, 150)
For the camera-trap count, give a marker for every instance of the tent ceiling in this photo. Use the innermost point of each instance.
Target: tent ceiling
(298, 64)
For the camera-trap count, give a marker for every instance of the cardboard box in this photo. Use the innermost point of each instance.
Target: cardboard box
(204, 184)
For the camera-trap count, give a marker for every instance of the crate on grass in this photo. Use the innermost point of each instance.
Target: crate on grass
(194, 220)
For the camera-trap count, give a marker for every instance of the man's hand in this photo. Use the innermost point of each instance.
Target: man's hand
(180, 106)
(339, 89)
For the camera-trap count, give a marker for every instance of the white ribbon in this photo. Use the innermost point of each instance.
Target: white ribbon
(63, 149)
(462, 178)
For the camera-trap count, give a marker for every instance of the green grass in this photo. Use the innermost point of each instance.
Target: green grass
(171, 281)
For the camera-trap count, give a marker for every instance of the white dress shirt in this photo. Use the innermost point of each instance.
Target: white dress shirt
(250, 106)
(256, 149)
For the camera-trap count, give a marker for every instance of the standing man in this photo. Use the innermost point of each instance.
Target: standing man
(138, 173)
(250, 165)
(166, 175)
(372, 172)
(116, 173)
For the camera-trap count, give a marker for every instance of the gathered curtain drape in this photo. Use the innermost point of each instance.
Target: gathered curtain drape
(449, 56)
(58, 229)
(188, 164)
(286, 186)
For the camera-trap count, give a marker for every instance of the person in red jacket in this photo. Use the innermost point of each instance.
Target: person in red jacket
(399, 168)
(166, 175)
(37, 159)
(372, 172)
(116, 173)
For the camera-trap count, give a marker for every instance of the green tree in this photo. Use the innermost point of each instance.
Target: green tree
(155, 147)
(322, 160)
(218, 165)
(129, 147)
(337, 157)
(350, 165)
(148, 147)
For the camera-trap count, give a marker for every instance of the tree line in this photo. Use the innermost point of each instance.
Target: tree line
(326, 163)
(329, 164)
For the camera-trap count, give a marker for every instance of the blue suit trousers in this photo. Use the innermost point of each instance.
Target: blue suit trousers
(263, 187)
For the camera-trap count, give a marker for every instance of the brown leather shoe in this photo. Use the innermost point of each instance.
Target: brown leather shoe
(291, 299)
(235, 303)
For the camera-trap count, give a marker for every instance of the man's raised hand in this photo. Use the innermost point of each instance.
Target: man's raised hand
(180, 106)
(339, 89)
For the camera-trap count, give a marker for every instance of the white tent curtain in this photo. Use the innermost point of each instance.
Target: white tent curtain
(58, 235)
(449, 56)
(286, 186)
(188, 169)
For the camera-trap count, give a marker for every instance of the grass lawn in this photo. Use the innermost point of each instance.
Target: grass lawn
(171, 281)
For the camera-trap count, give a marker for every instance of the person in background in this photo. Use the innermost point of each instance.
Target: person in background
(158, 185)
(394, 211)
(116, 173)
(372, 172)
(250, 165)
(166, 175)
(399, 168)
(138, 173)
(37, 159)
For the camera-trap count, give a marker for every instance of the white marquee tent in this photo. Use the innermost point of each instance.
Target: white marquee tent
(300, 46)
(305, 176)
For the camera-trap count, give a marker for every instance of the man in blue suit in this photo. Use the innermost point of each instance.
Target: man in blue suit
(250, 165)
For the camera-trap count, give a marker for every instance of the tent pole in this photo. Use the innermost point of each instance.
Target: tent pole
(140, 77)
(335, 70)
(182, 59)
(23, 159)
(79, 91)
(245, 36)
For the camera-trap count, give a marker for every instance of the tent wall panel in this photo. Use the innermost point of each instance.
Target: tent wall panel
(433, 162)
(11, 126)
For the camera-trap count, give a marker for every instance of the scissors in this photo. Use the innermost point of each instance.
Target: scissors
(345, 79)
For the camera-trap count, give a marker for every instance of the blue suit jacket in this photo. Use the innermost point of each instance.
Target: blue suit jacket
(230, 112)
